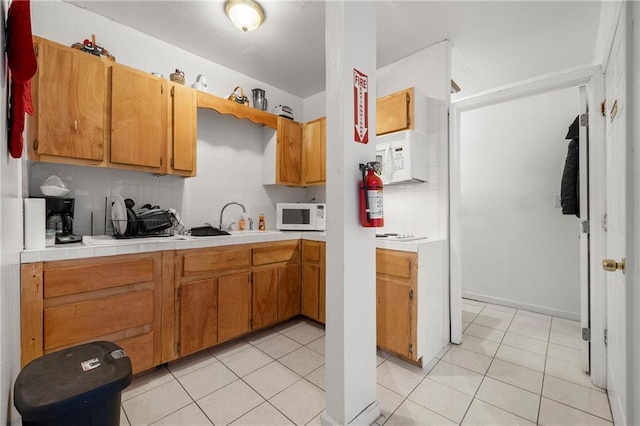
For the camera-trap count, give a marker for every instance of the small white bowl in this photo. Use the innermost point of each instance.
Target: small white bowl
(53, 191)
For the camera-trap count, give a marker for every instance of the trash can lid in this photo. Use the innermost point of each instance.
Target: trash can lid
(69, 380)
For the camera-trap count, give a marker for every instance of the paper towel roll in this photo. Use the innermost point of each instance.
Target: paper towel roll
(34, 223)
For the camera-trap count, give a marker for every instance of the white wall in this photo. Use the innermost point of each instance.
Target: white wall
(229, 150)
(515, 245)
(422, 208)
(10, 248)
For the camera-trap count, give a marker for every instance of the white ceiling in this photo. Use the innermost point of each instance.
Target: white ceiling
(495, 42)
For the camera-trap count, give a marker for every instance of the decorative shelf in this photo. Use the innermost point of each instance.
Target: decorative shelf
(224, 106)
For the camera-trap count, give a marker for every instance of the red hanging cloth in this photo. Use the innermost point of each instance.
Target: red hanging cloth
(22, 64)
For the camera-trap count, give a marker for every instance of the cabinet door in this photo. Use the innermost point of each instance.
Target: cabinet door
(265, 297)
(70, 103)
(314, 152)
(289, 152)
(234, 305)
(138, 118)
(395, 314)
(310, 290)
(198, 315)
(322, 295)
(184, 127)
(288, 291)
(393, 112)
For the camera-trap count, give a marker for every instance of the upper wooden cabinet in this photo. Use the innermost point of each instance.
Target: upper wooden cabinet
(282, 156)
(183, 125)
(314, 152)
(395, 112)
(289, 152)
(138, 118)
(70, 98)
(92, 112)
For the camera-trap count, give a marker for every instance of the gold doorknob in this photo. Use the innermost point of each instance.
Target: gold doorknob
(611, 265)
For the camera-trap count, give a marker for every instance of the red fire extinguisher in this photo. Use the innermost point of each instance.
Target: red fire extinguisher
(371, 211)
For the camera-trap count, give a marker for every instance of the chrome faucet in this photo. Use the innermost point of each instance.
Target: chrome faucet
(227, 205)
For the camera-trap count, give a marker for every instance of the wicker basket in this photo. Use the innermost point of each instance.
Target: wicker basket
(177, 76)
(238, 96)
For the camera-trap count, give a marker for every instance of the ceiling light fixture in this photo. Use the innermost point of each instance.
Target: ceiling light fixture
(245, 14)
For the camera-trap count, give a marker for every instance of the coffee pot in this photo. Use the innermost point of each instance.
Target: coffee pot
(59, 215)
(259, 101)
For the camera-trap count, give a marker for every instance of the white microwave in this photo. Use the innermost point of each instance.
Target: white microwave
(301, 216)
(403, 157)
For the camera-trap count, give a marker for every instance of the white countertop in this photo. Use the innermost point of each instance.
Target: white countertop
(108, 246)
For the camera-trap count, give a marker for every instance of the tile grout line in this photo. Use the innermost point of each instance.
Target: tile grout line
(485, 373)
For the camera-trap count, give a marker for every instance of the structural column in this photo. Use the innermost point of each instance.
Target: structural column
(350, 378)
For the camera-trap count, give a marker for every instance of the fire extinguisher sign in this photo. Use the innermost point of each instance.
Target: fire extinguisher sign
(360, 106)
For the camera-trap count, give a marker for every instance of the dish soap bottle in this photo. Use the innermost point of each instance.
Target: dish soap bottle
(242, 223)
(261, 224)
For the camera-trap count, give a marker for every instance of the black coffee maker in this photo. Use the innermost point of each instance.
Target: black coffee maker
(60, 217)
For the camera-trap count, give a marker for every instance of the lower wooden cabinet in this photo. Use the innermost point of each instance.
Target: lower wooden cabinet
(198, 315)
(234, 305)
(313, 280)
(396, 302)
(265, 297)
(159, 306)
(226, 292)
(115, 298)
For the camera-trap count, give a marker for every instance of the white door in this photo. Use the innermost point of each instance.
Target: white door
(615, 171)
(584, 223)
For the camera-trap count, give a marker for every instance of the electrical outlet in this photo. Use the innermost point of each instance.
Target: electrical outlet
(556, 200)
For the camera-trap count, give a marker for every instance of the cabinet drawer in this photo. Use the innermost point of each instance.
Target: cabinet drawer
(395, 263)
(312, 251)
(140, 350)
(281, 252)
(214, 261)
(95, 276)
(77, 322)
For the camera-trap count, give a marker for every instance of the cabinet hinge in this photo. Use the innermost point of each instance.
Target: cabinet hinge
(161, 89)
(161, 161)
(410, 348)
(586, 334)
(603, 108)
(251, 278)
(605, 337)
(178, 347)
(604, 223)
(35, 144)
(251, 323)
(173, 91)
(180, 292)
(36, 48)
(171, 161)
(411, 294)
(408, 106)
(584, 226)
(584, 120)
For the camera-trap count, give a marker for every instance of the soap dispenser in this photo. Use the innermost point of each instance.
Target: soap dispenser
(242, 223)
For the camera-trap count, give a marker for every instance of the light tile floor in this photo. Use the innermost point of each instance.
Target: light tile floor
(513, 368)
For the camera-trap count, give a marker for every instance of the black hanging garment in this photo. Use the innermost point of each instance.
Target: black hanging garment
(570, 188)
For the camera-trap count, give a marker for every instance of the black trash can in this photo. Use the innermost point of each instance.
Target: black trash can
(78, 386)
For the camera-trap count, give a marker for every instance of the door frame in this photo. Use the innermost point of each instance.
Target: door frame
(591, 77)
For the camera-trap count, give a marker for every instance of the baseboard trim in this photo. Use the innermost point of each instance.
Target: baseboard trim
(367, 417)
(575, 316)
